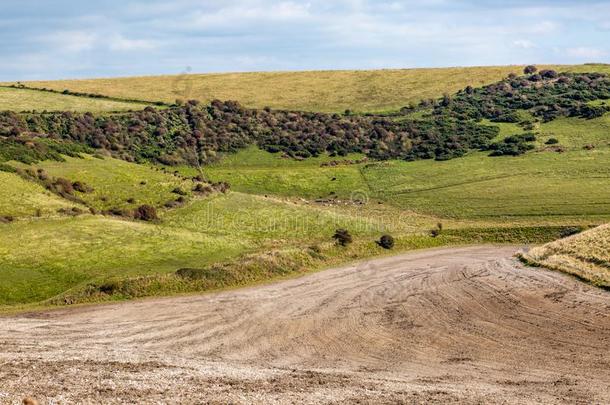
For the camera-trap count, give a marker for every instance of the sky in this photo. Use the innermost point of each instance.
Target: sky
(55, 39)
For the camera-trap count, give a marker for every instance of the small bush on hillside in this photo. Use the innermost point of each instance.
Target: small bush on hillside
(222, 187)
(343, 237)
(549, 74)
(552, 141)
(437, 231)
(7, 168)
(146, 213)
(179, 191)
(62, 185)
(386, 242)
(569, 231)
(530, 69)
(202, 188)
(6, 219)
(82, 187)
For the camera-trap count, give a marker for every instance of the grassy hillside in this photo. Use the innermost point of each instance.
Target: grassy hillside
(28, 100)
(538, 184)
(116, 183)
(21, 198)
(327, 91)
(72, 252)
(584, 255)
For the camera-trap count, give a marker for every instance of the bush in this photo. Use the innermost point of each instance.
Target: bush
(437, 231)
(343, 237)
(146, 213)
(179, 191)
(81, 187)
(6, 219)
(63, 186)
(569, 231)
(552, 141)
(202, 188)
(386, 242)
(530, 69)
(549, 74)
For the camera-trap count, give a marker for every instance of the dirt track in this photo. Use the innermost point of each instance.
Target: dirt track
(447, 325)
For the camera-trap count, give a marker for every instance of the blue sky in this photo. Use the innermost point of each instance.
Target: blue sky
(52, 39)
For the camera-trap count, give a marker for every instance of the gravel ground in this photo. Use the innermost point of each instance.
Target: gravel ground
(452, 325)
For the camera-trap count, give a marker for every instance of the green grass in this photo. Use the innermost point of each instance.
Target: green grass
(116, 181)
(329, 91)
(575, 133)
(28, 100)
(536, 185)
(71, 252)
(41, 259)
(21, 198)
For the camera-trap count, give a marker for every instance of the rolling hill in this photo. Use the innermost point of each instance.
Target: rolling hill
(324, 91)
(75, 181)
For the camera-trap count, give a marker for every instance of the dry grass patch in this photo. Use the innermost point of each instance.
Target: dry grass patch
(329, 91)
(585, 255)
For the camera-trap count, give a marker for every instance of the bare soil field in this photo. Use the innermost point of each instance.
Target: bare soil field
(452, 325)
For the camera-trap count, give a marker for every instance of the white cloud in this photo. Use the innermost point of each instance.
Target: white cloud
(233, 15)
(544, 27)
(71, 41)
(120, 43)
(523, 44)
(586, 53)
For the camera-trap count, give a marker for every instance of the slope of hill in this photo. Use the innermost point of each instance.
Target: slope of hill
(27, 100)
(475, 186)
(326, 91)
(21, 198)
(585, 255)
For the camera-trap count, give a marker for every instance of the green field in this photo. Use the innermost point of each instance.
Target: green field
(474, 187)
(328, 91)
(28, 100)
(114, 181)
(21, 198)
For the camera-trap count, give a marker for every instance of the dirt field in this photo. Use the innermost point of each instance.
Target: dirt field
(467, 325)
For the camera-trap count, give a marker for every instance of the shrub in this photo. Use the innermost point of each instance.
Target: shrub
(7, 168)
(6, 219)
(63, 186)
(569, 231)
(530, 69)
(437, 231)
(179, 191)
(549, 74)
(386, 242)
(191, 273)
(81, 187)
(343, 237)
(552, 141)
(146, 213)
